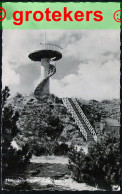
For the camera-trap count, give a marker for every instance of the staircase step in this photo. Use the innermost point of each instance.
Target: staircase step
(79, 116)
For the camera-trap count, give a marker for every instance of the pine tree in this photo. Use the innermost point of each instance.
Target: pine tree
(101, 166)
(5, 95)
(11, 158)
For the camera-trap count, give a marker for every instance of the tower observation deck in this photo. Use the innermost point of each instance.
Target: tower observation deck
(48, 54)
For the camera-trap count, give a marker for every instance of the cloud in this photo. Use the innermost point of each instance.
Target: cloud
(90, 82)
(95, 44)
(9, 76)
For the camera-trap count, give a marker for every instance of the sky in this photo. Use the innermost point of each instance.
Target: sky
(89, 68)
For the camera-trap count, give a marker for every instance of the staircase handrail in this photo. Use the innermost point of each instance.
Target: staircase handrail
(85, 119)
(74, 115)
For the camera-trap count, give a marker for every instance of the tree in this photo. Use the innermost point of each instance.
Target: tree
(5, 95)
(101, 166)
(11, 158)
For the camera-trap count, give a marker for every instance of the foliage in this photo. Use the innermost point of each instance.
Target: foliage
(9, 119)
(100, 166)
(58, 100)
(61, 149)
(11, 158)
(106, 101)
(41, 126)
(5, 95)
(18, 95)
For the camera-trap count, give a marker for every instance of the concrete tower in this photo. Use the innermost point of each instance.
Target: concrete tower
(47, 55)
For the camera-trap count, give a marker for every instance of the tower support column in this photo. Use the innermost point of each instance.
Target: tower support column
(44, 72)
(44, 67)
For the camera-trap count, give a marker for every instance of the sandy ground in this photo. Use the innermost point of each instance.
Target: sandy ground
(49, 159)
(48, 173)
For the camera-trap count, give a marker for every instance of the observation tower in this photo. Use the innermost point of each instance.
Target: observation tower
(47, 56)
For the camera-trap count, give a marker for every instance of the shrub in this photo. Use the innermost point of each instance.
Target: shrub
(42, 125)
(58, 100)
(19, 95)
(39, 150)
(61, 149)
(100, 166)
(5, 95)
(12, 159)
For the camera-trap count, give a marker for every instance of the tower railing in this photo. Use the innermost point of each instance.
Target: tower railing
(51, 47)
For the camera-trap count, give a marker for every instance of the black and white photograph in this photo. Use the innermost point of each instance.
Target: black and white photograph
(61, 110)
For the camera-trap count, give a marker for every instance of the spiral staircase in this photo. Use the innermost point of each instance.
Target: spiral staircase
(40, 88)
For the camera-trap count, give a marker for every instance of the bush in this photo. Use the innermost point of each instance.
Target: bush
(39, 150)
(42, 125)
(106, 101)
(12, 159)
(58, 100)
(61, 149)
(19, 95)
(100, 166)
(5, 95)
